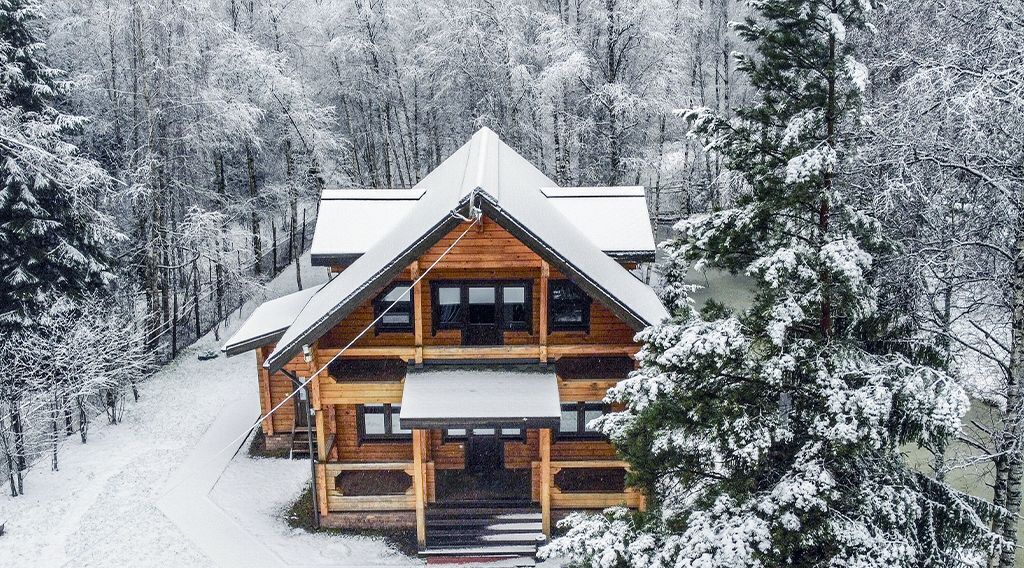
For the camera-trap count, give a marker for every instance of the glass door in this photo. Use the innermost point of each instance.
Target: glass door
(482, 317)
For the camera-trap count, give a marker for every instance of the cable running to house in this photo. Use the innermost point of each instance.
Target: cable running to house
(476, 216)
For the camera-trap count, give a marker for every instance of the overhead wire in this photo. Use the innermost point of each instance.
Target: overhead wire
(473, 220)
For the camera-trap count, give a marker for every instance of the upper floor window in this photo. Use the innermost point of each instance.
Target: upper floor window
(575, 419)
(501, 305)
(515, 307)
(380, 422)
(399, 317)
(568, 307)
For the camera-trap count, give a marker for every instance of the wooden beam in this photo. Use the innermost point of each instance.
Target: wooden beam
(417, 310)
(545, 273)
(265, 402)
(417, 480)
(321, 488)
(545, 480)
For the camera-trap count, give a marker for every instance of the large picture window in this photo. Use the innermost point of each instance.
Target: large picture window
(379, 423)
(568, 307)
(399, 317)
(456, 303)
(575, 418)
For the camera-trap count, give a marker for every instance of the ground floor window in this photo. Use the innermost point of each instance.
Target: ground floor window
(456, 434)
(575, 419)
(380, 422)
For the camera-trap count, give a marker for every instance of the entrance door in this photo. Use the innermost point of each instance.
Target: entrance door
(482, 319)
(485, 454)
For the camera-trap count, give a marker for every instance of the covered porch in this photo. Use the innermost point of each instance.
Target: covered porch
(477, 453)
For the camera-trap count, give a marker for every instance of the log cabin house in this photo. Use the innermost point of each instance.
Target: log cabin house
(469, 333)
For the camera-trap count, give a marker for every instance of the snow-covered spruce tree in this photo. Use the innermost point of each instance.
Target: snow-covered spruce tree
(773, 437)
(49, 240)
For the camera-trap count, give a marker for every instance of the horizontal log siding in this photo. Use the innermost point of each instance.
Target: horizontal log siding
(349, 449)
(280, 386)
(340, 335)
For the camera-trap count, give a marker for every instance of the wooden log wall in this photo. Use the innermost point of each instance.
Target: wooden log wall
(485, 253)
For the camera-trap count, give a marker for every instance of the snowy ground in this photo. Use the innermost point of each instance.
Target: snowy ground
(101, 508)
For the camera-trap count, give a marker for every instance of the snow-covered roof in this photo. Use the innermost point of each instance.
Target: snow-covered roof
(613, 218)
(268, 321)
(351, 220)
(487, 174)
(451, 396)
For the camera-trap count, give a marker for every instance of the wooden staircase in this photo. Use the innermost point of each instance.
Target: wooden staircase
(300, 442)
(484, 529)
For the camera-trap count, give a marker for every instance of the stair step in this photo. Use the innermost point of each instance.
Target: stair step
(501, 512)
(485, 551)
(486, 504)
(489, 523)
(469, 539)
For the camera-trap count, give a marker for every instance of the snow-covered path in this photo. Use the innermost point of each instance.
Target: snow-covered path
(101, 508)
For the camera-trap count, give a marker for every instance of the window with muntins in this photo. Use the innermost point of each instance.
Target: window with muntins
(458, 434)
(456, 303)
(380, 423)
(575, 418)
(568, 307)
(399, 317)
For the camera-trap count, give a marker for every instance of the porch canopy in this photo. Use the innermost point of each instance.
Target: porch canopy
(452, 396)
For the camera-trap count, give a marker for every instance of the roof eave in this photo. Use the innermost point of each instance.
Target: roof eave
(631, 255)
(231, 350)
(333, 259)
(394, 267)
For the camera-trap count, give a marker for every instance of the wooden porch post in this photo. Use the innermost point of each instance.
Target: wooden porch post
(545, 480)
(417, 481)
(545, 273)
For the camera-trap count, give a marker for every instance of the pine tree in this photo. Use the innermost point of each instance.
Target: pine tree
(774, 436)
(50, 234)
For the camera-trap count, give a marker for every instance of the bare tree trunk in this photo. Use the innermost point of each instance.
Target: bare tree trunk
(273, 245)
(222, 190)
(20, 461)
(257, 244)
(293, 210)
(1010, 451)
(54, 428)
(83, 418)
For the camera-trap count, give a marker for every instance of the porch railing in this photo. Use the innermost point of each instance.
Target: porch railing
(562, 499)
(339, 502)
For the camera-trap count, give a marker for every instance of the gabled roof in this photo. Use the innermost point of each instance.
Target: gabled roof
(483, 173)
(350, 221)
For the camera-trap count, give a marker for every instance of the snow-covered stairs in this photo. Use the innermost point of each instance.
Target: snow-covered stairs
(484, 529)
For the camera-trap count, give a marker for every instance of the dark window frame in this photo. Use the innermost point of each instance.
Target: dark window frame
(447, 438)
(388, 410)
(499, 301)
(378, 308)
(586, 303)
(581, 433)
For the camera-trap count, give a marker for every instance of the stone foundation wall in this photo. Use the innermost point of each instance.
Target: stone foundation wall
(370, 520)
(277, 442)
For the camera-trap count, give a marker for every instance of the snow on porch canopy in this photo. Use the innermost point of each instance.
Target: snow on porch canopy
(467, 397)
